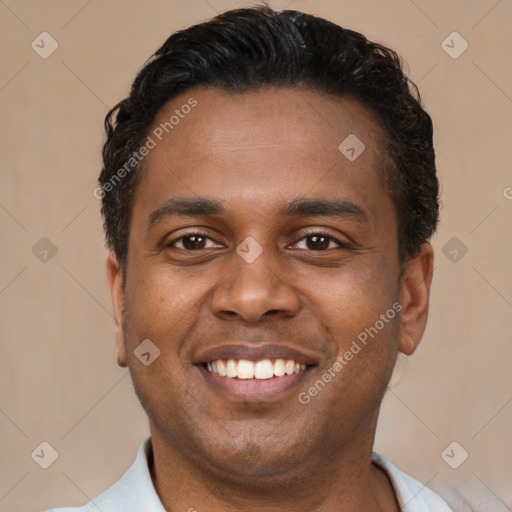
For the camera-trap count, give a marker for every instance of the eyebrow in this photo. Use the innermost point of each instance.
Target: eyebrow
(299, 206)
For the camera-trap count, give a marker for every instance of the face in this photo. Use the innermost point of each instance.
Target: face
(259, 256)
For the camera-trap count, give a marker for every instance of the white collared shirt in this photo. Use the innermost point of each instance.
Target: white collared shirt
(135, 492)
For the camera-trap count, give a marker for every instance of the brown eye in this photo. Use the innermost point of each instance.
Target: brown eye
(321, 242)
(192, 242)
(316, 242)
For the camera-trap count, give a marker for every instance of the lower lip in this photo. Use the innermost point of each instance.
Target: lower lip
(254, 389)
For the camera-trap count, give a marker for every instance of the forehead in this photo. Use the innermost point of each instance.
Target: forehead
(257, 149)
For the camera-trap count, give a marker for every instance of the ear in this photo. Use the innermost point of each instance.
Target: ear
(115, 282)
(414, 298)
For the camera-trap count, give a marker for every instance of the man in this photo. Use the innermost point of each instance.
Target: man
(269, 191)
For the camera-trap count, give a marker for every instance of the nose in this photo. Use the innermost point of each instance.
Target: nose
(251, 291)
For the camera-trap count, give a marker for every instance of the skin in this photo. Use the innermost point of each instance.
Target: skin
(253, 151)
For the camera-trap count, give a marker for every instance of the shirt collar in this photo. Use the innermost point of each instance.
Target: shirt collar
(412, 496)
(135, 491)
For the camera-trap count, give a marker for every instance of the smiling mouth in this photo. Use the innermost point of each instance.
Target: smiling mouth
(257, 370)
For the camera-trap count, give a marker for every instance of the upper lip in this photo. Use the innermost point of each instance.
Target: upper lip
(253, 353)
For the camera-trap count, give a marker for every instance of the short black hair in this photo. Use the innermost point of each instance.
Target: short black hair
(246, 49)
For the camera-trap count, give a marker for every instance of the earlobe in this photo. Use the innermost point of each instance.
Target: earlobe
(408, 345)
(414, 298)
(115, 282)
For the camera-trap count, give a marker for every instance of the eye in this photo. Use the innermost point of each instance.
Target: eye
(191, 242)
(321, 242)
(314, 241)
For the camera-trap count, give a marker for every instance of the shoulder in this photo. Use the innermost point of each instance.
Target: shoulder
(412, 495)
(132, 493)
(84, 508)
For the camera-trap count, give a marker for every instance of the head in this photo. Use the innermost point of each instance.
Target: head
(269, 191)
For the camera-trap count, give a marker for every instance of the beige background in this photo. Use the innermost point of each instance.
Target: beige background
(59, 381)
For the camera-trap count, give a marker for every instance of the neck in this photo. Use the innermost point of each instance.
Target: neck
(342, 480)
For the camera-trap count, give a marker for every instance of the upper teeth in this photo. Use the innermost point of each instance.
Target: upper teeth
(263, 369)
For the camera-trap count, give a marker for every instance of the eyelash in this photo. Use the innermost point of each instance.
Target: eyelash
(341, 244)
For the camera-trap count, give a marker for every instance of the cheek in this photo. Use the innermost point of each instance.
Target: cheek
(350, 305)
(159, 297)
(159, 309)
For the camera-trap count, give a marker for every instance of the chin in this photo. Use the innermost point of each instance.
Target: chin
(253, 464)
(243, 454)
